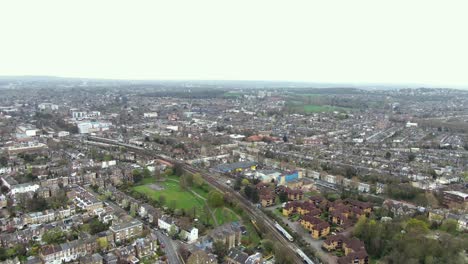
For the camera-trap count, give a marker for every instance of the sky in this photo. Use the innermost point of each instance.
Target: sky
(397, 41)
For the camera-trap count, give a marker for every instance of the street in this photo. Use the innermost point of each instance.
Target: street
(170, 248)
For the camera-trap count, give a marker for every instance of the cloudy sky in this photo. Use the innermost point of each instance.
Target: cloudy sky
(322, 41)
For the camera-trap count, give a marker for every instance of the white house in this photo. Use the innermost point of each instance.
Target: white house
(189, 235)
(409, 124)
(165, 222)
(364, 187)
(313, 174)
(63, 133)
(150, 115)
(172, 128)
(330, 178)
(23, 188)
(107, 164)
(48, 106)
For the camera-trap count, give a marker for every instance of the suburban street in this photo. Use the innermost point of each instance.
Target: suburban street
(170, 247)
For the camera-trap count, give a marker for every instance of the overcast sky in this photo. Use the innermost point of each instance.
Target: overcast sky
(407, 41)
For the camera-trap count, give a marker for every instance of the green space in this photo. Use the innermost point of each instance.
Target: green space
(232, 94)
(177, 198)
(172, 192)
(299, 106)
(224, 215)
(252, 239)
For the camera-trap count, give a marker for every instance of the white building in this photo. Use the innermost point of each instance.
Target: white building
(172, 128)
(48, 106)
(313, 174)
(27, 130)
(363, 187)
(189, 235)
(330, 178)
(165, 222)
(92, 127)
(84, 114)
(78, 114)
(409, 124)
(63, 133)
(23, 188)
(150, 115)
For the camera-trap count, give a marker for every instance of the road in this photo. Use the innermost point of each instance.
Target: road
(170, 248)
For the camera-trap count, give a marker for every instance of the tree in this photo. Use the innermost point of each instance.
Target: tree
(267, 245)
(220, 249)
(36, 203)
(198, 180)
(417, 226)
(283, 197)
(157, 174)
(102, 243)
(137, 177)
(449, 226)
(245, 182)
(281, 254)
(215, 199)
(3, 161)
(146, 173)
(54, 236)
(248, 191)
(162, 199)
(179, 169)
(169, 172)
(96, 226)
(388, 155)
(172, 231)
(255, 196)
(237, 184)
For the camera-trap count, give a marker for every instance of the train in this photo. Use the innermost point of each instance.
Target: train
(304, 256)
(284, 232)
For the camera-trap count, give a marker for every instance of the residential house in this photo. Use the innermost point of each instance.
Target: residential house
(236, 256)
(201, 257)
(353, 248)
(190, 235)
(145, 247)
(229, 233)
(165, 222)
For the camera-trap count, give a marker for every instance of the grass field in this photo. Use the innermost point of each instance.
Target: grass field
(172, 191)
(184, 199)
(311, 108)
(224, 215)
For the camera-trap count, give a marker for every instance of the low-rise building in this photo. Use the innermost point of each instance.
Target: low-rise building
(126, 230)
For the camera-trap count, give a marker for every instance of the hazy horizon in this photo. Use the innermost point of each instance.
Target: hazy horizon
(416, 43)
